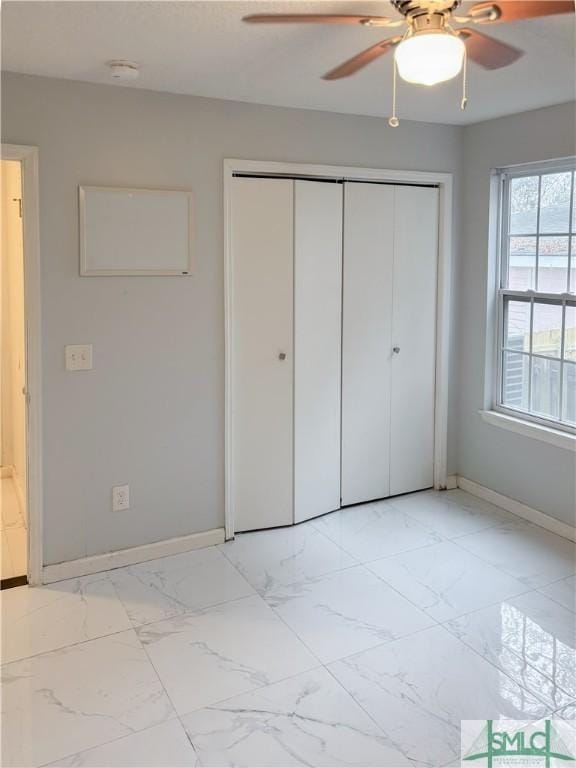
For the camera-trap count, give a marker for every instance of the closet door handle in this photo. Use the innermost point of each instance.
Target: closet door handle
(282, 356)
(396, 350)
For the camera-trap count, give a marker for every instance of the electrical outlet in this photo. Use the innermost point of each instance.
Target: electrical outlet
(120, 498)
(78, 357)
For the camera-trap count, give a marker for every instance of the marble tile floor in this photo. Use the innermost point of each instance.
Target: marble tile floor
(361, 638)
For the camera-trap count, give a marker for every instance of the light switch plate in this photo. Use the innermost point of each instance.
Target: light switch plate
(78, 357)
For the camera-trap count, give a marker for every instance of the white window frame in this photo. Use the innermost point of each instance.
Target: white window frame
(504, 176)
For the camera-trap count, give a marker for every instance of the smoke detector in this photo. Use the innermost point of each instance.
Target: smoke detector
(124, 70)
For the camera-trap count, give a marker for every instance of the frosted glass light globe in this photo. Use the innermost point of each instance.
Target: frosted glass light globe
(429, 58)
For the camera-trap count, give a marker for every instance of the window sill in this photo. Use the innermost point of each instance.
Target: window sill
(529, 429)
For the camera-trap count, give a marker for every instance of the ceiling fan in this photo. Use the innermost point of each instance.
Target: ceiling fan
(430, 49)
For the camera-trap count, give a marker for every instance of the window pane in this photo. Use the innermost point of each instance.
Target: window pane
(522, 263)
(538, 337)
(555, 202)
(517, 332)
(553, 264)
(569, 393)
(524, 205)
(515, 370)
(570, 337)
(546, 387)
(547, 329)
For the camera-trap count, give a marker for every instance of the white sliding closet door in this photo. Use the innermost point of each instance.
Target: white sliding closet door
(414, 333)
(366, 340)
(261, 327)
(317, 341)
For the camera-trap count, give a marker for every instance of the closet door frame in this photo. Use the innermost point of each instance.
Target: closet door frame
(444, 182)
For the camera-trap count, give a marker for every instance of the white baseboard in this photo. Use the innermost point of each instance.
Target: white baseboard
(87, 565)
(97, 563)
(519, 509)
(451, 483)
(6, 472)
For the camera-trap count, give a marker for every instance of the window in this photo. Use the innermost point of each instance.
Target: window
(537, 295)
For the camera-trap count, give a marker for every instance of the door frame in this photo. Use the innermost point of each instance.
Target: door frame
(444, 181)
(28, 158)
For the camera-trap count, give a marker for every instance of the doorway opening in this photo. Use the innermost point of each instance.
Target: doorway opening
(13, 382)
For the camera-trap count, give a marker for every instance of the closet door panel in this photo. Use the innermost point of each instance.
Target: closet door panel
(262, 323)
(414, 332)
(317, 337)
(366, 341)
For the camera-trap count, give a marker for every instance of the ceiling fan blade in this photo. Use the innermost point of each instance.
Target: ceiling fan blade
(320, 18)
(516, 10)
(488, 52)
(362, 59)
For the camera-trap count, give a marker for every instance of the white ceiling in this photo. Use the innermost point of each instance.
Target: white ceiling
(203, 48)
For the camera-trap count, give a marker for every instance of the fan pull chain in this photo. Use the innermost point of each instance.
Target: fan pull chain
(464, 102)
(393, 122)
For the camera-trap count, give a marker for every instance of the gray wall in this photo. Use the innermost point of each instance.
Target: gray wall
(523, 468)
(151, 412)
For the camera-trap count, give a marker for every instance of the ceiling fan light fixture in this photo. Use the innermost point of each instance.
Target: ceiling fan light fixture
(428, 58)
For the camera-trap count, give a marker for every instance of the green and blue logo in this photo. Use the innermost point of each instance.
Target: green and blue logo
(542, 743)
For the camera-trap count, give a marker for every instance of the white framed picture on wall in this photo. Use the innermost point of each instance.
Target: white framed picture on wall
(135, 231)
